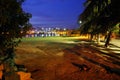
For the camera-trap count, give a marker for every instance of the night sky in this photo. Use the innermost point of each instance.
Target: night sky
(54, 13)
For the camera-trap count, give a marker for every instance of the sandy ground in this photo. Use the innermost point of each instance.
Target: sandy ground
(67, 60)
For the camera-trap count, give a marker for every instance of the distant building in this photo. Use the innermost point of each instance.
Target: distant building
(46, 32)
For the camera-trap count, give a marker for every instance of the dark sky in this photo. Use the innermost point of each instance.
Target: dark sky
(54, 13)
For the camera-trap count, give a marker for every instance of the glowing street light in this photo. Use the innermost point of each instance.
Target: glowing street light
(80, 21)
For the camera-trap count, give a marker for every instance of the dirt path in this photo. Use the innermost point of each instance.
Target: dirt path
(82, 62)
(99, 66)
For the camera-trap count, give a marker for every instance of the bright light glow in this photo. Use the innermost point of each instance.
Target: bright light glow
(64, 28)
(80, 22)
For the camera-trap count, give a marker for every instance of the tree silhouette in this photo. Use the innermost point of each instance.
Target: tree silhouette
(13, 25)
(100, 16)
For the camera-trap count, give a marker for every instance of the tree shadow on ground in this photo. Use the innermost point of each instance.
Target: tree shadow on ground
(114, 45)
(106, 67)
(114, 57)
(112, 51)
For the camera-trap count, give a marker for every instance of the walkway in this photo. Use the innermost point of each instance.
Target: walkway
(113, 49)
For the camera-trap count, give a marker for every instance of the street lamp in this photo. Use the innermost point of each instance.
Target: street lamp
(80, 21)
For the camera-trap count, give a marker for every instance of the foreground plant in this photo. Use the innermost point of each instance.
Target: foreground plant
(13, 25)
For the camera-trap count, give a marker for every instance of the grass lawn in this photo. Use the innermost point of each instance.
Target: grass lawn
(50, 58)
(44, 53)
(46, 45)
(50, 41)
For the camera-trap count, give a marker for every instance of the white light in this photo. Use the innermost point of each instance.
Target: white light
(64, 28)
(80, 22)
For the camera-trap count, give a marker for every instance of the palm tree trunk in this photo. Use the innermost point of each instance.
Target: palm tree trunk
(98, 38)
(108, 39)
(91, 37)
